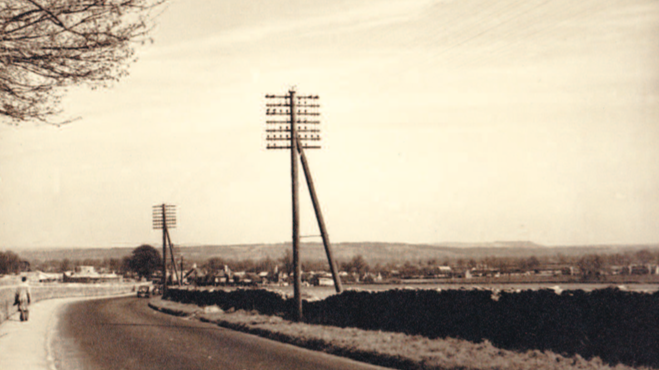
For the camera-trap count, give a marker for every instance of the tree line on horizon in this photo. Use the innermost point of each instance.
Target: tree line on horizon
(11, 263)
(146, 255)
(142, 261)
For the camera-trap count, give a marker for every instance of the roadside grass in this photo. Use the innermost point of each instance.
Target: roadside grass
(389, 349)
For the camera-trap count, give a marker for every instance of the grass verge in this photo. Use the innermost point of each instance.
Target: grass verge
(395, 350)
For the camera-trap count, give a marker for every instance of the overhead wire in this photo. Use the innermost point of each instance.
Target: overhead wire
(463, 34)
(466, 25)
(463, 25)
(480, 33)
(459, 22)
(464, 28)
(538, 32)
(516, 31)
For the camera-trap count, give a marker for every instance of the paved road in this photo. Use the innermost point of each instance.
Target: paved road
(124, 333)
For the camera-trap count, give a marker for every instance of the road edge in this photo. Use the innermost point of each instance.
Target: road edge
(213, 315)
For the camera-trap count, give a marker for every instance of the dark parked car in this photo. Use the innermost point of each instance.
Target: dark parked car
(144, 292)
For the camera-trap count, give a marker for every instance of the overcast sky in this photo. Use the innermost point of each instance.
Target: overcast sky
(449, 120)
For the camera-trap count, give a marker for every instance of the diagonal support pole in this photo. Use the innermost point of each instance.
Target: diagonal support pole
(171, 253)
(164, 251)
(319, 217)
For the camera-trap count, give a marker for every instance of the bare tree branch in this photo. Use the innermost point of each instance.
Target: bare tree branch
(47, 45)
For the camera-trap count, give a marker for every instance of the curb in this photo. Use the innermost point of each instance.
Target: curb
(171, 311)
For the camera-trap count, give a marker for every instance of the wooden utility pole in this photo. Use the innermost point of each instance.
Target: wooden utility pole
(164, 218)
(299, 138)
(297, 272)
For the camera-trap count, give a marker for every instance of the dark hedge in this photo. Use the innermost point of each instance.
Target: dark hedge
(617, 326)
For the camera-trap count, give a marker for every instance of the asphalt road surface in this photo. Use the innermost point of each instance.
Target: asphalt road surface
(124, 333)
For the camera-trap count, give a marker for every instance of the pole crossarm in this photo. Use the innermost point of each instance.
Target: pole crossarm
(284, 109)
(285, 130)
(287, 138)
(275, 146)
(166, 212)
(286, 122)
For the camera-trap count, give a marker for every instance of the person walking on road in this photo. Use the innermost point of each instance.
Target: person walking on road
(23, 298)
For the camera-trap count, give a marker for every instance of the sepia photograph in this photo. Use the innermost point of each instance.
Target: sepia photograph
(307, 184)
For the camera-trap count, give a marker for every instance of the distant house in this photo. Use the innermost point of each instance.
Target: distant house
(87, 274)
(549, 272)
(369, 278)
(88, 270)
(45, 277)
(323, 281)
(640, 270)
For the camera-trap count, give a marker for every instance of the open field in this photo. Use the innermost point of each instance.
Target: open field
(322, 292)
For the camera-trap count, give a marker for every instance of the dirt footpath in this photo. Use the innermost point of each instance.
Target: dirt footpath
(25, 345)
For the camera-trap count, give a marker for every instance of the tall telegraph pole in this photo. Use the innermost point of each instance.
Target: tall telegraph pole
(296, 210)
(284, 133)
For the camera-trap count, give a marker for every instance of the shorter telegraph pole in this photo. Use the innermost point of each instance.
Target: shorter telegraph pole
(164, 218)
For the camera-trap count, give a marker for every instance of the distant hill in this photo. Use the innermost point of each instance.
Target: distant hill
(374, 252)
(73, 254)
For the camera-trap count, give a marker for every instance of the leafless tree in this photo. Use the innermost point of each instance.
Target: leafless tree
(47, 45)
